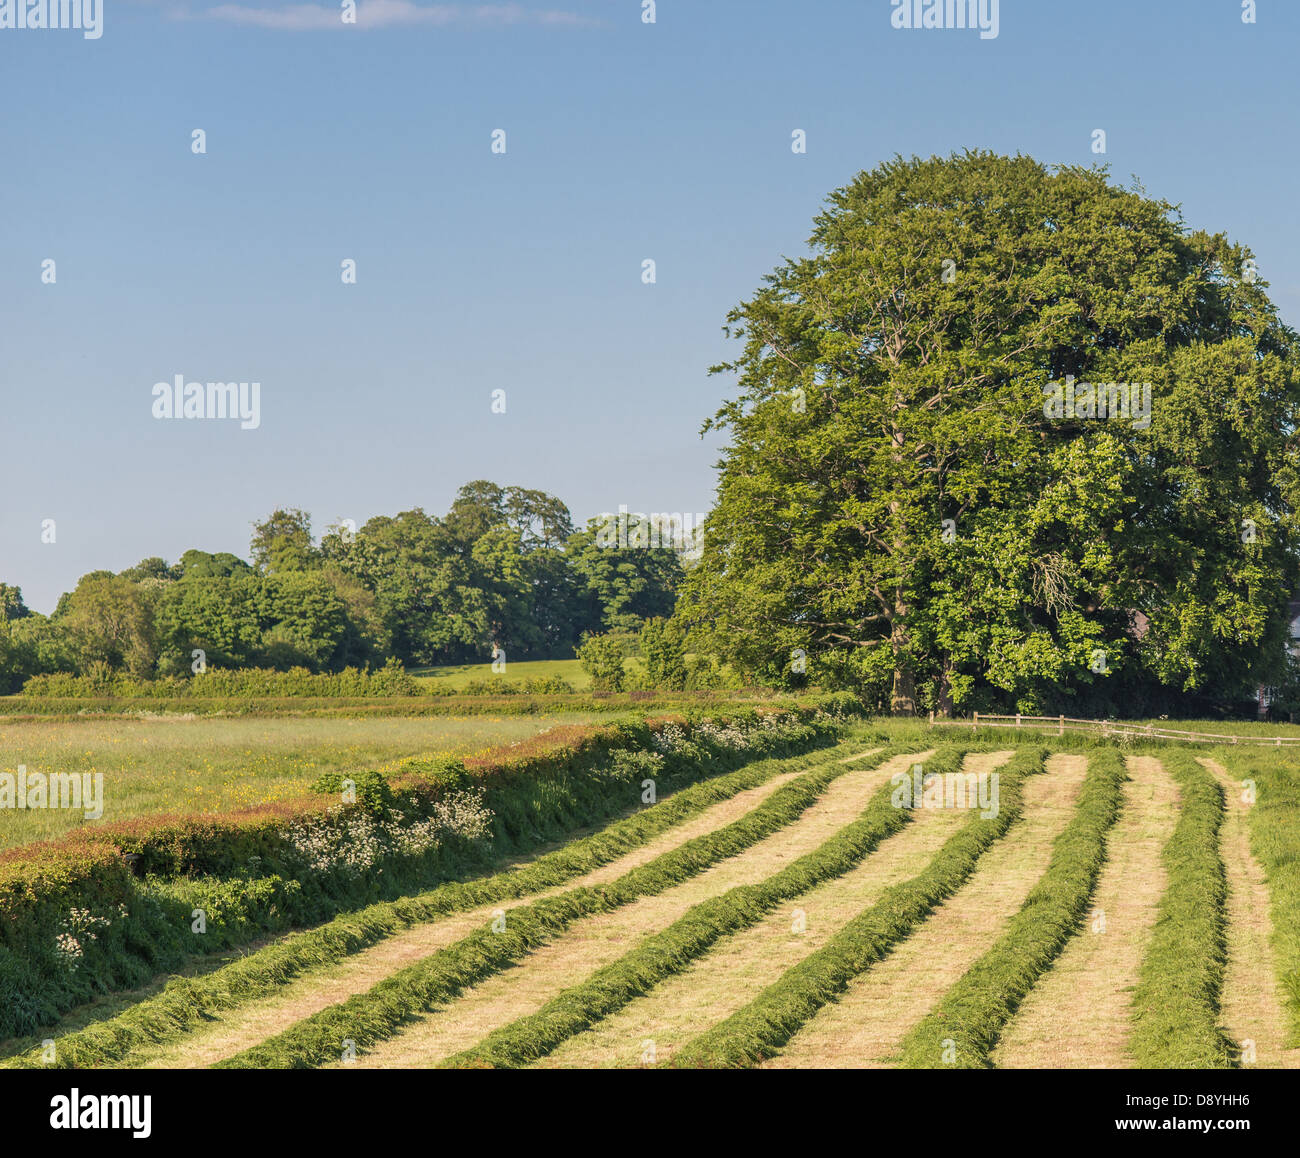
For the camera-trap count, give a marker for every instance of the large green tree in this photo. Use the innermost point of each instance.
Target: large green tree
(215, 614)
(492, 572)
(195, 564)
(902, 508)
(110, 621)
(282, 542)
(425, 584)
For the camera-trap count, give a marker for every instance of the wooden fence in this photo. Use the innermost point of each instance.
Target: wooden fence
(1062, 724)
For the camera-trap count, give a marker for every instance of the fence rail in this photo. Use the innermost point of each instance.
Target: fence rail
(1063, 724)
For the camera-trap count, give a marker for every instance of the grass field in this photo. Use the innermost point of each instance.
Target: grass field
(179, 764)
(569, 670)
(1119, 907)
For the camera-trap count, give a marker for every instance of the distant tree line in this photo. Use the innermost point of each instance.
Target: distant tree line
(503, 569)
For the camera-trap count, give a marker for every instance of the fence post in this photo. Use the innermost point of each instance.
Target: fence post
(1060, 728)
(932, 717)
(1017, 719)
(975, 723)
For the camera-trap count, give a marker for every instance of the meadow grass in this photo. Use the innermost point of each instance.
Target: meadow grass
(459, 675)
(206, 765)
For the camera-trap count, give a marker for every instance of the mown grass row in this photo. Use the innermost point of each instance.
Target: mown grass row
(963, 1029)
(373, 1016)
(1274, 821)
(674, 949)
(187, 1002)
(1176, 1003)
(757, 1031)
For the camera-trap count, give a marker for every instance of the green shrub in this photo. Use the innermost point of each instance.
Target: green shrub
(548, 686)
(663, 650)
(601, 657)
(369, 789)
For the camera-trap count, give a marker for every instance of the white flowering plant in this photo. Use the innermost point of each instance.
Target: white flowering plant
(77, 930)
(353, 840)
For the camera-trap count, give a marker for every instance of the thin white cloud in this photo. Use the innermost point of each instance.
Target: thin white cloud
(386, 14)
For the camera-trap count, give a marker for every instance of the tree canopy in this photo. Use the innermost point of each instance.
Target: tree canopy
(903, 501)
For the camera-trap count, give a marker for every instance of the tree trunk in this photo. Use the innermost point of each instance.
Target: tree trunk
(902, 697)
(945, 688)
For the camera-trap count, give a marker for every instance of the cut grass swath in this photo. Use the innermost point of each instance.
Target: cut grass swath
(1176, 1004)
(686, 939)
(188, 1002)
(963, 1028)
(758, 1030)
(1275, 840)
(376, 1014)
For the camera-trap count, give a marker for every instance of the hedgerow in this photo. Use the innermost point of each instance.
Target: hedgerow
(536, 686)
(349, 707)
(216, 683)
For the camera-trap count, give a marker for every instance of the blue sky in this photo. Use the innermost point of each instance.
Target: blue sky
(626, 141)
